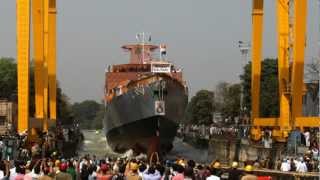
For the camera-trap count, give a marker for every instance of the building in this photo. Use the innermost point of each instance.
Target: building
(311, 99)
(8, 116)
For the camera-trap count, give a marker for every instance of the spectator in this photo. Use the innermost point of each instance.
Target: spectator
(285, 165)
(248, 173)
(234, 173)
(62, 174)
(133, 174)
(301, 166)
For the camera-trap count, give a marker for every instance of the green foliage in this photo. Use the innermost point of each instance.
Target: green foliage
(98, 120)
(64, 111)
(312, 70)
(227, 99)
(269, 95)
(8, 78)
(8, 89)
(89, 114)
(200, 108)
(9, 83)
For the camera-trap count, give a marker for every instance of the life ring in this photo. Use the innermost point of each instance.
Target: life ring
(159, 109)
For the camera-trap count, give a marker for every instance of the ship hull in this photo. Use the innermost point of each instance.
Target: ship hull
(131, 120)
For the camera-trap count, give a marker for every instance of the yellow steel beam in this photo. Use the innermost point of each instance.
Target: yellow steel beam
(300, 8)
(283, 63)
(307, 122)
(45, 64)
(265, 122)
(257, 24)
(23, 47)
(52, 58)
(37, 13)
(277, 132)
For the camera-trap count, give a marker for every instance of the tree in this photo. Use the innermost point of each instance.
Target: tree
(8, 89)
(64, 111)
(9, 82)
(86, 112)
(312, 71)
(8, 78)
(200, 108)
(231, 106)
(269, 95)
(97, 122)
(227, 99)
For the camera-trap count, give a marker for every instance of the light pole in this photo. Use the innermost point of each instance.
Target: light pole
(244, 48)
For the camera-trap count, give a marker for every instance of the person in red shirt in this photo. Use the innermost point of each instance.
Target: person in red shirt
(20, 173)
(179, 172)
(104, 173)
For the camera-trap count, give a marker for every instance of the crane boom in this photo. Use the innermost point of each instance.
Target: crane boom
(257, 24)
(37, 15)
(23, 49)
(44, 34)
(290, 84)
(52, 60)
(300, 9)
(283, 64)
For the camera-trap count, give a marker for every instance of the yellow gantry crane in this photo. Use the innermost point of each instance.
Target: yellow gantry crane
(290, 36)
(43, 13)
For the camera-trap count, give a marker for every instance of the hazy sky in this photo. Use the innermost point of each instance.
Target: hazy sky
(201, 37)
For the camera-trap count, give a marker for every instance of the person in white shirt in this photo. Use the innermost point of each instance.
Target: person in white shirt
(13, 172)
(315, 153)
(307, 137)
(285, 166)
(214, 175)
(302, 167)
(211, 130)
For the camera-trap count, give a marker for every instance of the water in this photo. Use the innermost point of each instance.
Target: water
(95, 143)
(182, 149)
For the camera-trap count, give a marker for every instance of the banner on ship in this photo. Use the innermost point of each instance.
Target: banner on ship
(159, 108)
(161, 68)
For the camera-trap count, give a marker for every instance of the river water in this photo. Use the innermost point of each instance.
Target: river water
(95, 143)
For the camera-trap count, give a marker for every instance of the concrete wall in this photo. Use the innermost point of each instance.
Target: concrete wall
(226, 150)
(221, 149)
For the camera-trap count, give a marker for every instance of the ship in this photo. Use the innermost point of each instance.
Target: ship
(145, 101)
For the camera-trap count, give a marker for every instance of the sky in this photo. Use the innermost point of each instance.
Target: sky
(201, 37)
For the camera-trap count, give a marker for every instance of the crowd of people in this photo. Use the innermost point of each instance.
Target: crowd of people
(206, 132)
(302, 153)
(306, 163)
(90, 168)
(39, 163)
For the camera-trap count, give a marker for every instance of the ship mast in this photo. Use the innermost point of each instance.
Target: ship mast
(141, 39)
(143, 48)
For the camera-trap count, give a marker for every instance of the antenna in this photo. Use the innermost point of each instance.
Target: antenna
(141, 38)
(143, 47)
